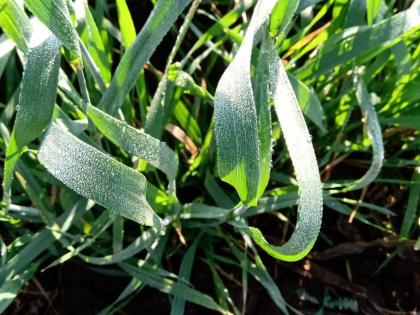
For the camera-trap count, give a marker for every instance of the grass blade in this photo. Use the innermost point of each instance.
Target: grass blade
(132, 287)
(236, 129)
(136, 142)
(163, 16)
(372, 8)
(41, 241)
(6, 48)
(139, 244)
(169, 286)
(374, 131)
(125, 21)
(96, 176)
(178, 303)
(36, 100)
(11, 287)
(128, 36)
(262, 104)
(92, 39)
(299, 145)
(356, 41)
(162, 103)
(308, 101)
(55, 15)
(15, 23)
(412, 205)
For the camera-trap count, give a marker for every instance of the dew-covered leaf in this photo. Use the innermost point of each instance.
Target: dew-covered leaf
(238, 140)
(36, 99)
(55, 15)
(299, 145)
(96, 176)
(135, 142)
(374, 132)
(237, 122)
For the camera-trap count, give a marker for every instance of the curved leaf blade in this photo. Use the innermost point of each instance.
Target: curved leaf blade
(96, 176)
(238, 141)
(302, 154)
(236, 128)
(374, 133)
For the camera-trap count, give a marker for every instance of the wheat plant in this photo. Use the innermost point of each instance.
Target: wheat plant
(116, 163)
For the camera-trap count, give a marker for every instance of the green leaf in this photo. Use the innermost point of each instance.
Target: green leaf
(178, 303)
(96, 176)
(412, 205)
(308, 101)
(218, 194)
(39, 86)
(372, 8)
(299, 145)
(15, 23)
(374, 132)
(41, 241)
(259, 272)
(237, 123)
(125, 21)
(337, 205)
(166, 95)
(169, 286)
(92, 38)
(98, 227)
(303, 4)
(36, 100)
(128, 34)
(356, 13)
(11, 287)
(6, 48)
(282, 16)
(262, 104)
(139, 244)
(238, 141)
(187, 122)
(55, 15)
(163, 16)
(356, 41)
(202, 211)
(135, 142)
(13, 153)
